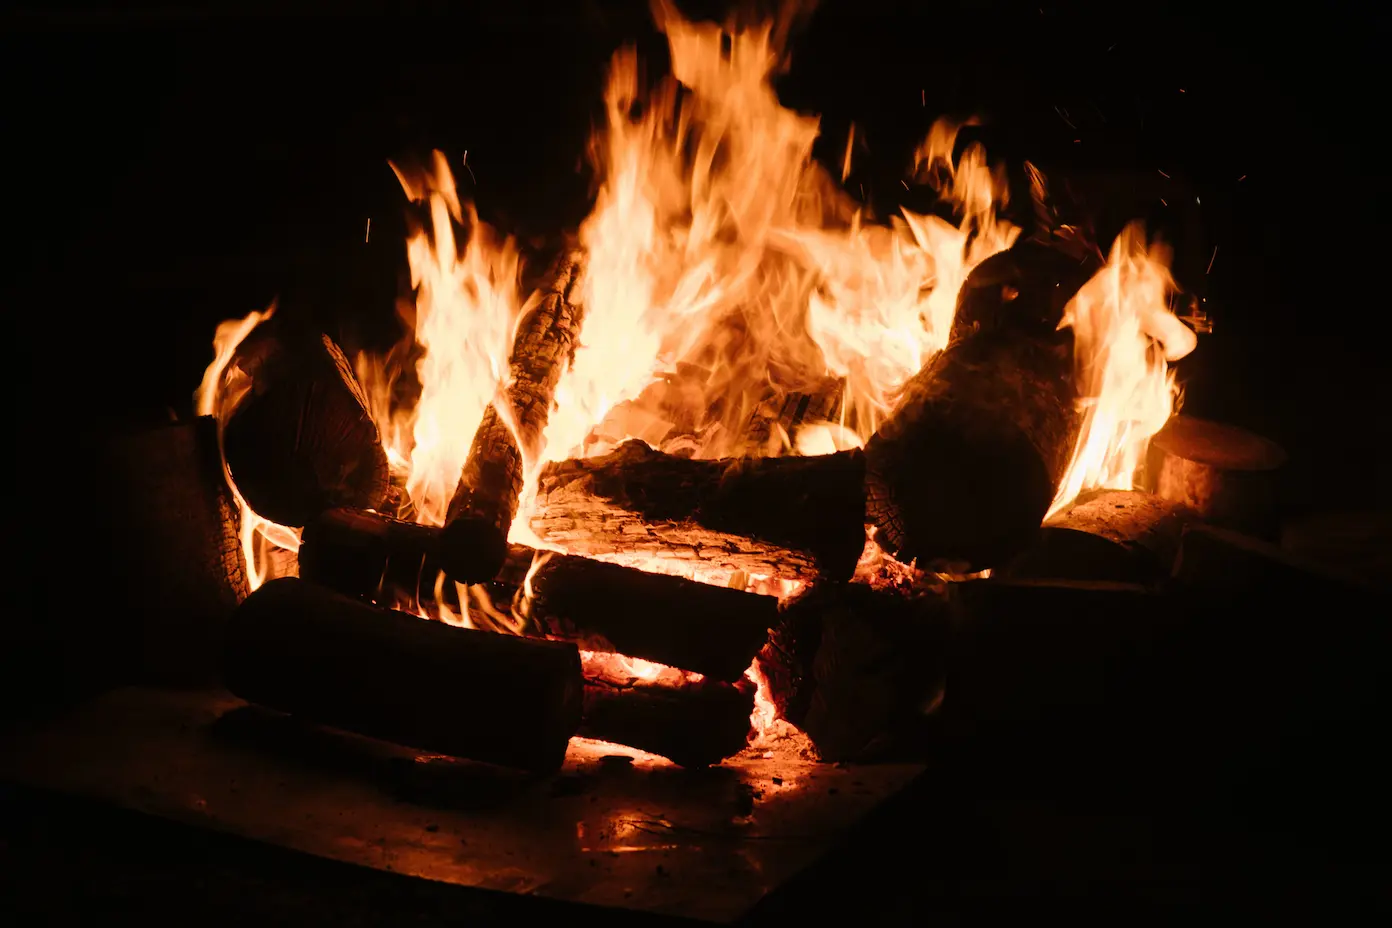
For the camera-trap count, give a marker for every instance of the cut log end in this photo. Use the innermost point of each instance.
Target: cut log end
(1226, 474)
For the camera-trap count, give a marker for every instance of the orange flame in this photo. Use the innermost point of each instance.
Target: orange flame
(1124, 335)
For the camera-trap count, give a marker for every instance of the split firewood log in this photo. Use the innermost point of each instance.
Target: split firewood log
(965, 468)
(1228, 475)
(303, 649)
(708, 629)
(1122, 536)
(787, 517)
(474, 544)
(297, 434)
(173, 545)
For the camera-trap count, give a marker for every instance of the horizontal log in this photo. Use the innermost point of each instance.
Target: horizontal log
(692, 723)
(788, 517)
(1228, 475)
(1221, 562)
(297, 434)
(313, 653)
(965, 468)
(1122, 536)
(712, 630)
(173, 544)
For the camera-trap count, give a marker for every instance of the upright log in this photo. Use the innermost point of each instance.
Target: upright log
(965, 468)
(298, 437)
(474, 544)
(694, 723)
(172, 538)
(789, 517)
(308, 651)
(1122, 536)
(1228, 475)
(708, 629)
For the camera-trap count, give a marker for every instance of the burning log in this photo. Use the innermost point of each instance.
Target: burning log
(1228, 475)
(712, 630)
(789, 517)
(967, 465)
(1122, 536)
(176, 555)
(474, 544)
(308, 651)
(854, 667)
(299, 439)
(694, 723)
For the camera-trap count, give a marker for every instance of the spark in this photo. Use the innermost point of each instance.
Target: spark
(905, 183)
(367, 236)
(1063, 114)
(1242, 178)
(465, 164)
(1162, 202)
(1211, 259)
(1163, 174)
(923, 97)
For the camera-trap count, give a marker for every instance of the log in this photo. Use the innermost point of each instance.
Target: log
(297, 436)
(692, 723)
(1228, 475)
(794, 518)
(1222, 563)
(712, 630)
(173, 547)
(967, 465)
(474, 544)
(1122, 536)
(855, 668)
(305, 650)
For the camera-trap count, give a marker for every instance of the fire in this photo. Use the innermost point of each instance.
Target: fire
(1124, 336)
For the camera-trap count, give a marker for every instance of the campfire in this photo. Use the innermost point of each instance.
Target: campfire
(712, 474)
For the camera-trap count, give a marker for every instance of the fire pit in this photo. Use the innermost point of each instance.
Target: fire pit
(654, 559)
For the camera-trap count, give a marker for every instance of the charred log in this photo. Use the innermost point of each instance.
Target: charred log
(1221, 562)
(300, 439)
(788, 517)
(967, 465)
(712, 630)
(855, 668)
(308, 651)
(692, 723)
(1122, 536)
(1226, 474)
(474, 543)
(173, 536)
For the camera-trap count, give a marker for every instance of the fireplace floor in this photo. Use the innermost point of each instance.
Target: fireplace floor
(613, 828)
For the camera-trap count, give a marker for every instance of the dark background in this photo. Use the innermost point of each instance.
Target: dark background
(168, 166)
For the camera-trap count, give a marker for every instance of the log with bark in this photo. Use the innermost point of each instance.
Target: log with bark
(1220, 562)
(305, 650)
(297, 434)
(694, 723)
(1122, 536)
(474, 544)
(172, 544)
(1228, 475)
(712, 630)
(787, 517)
(856, 668)
(965, 468)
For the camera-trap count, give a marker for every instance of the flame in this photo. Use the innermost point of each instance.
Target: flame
(1124, 335)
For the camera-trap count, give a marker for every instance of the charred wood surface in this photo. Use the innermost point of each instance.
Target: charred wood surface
(474, 543)
(1228, 475)
(965, 468)
(788, 517)
(300, 439)
(711, 630)
(313, 653)
(856, 668)
(173, 536)
(1123, 536)
(694, 724)
(1221, 562)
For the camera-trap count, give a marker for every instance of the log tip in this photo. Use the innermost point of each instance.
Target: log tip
(472, 550)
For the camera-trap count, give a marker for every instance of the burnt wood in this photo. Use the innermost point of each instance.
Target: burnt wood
(1228, 475)
(693, 723)
(480, 514)
(711, 630)
(298, 437)
(787, 517)
(1123, 536)
(967, 465)
(172, 534)
(327, 658)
